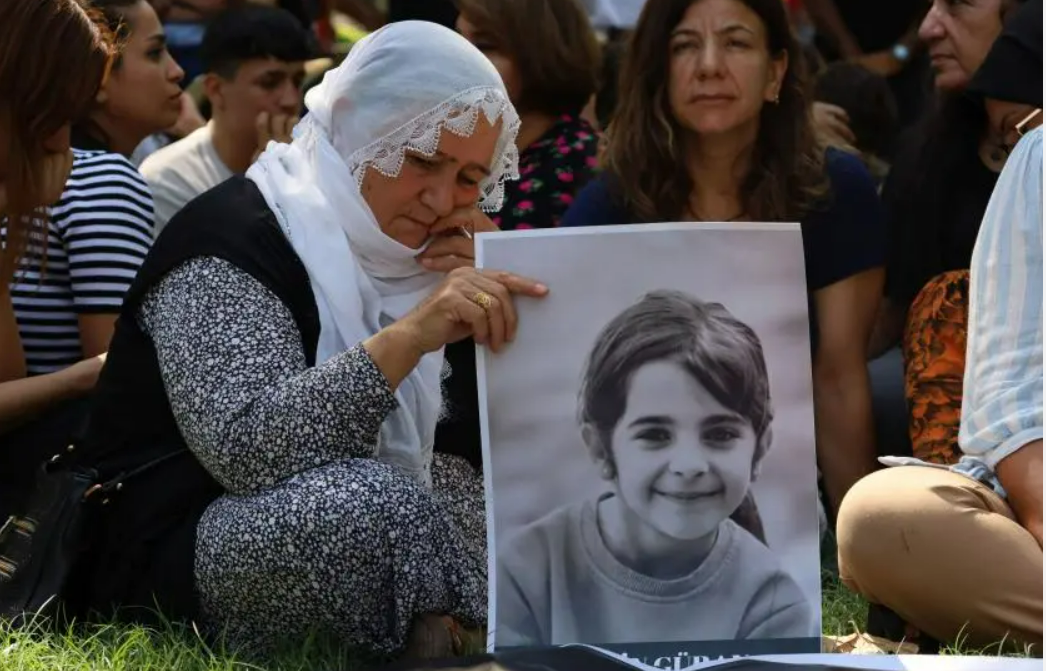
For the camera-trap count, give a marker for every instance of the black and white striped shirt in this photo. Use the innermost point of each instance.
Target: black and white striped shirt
(98, 235)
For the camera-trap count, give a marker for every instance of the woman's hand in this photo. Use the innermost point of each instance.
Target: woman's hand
(832, 125)
(454, 245)
(83, 376)
(469, 302)
(189, 120)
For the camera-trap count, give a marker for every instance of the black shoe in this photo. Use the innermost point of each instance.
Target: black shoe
(884, 623)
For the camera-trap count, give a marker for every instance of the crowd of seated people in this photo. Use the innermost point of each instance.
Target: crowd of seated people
(212, 211)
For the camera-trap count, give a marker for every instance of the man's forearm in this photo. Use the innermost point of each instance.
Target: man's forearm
(1021, 475)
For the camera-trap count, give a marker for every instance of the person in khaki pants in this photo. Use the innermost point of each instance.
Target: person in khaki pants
(957, 551)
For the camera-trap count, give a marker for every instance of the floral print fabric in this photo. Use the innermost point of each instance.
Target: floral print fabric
(934, 349)
(551, 171)
(313, 534)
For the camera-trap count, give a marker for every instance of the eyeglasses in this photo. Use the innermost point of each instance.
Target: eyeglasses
(1023, 126)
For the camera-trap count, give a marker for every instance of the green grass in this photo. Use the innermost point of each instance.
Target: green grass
(172, 648)
(169, 648)
(842, 611)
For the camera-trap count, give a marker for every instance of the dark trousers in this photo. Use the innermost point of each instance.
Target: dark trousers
(889, 406)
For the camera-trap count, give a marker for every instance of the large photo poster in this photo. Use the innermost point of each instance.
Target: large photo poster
(649, 443)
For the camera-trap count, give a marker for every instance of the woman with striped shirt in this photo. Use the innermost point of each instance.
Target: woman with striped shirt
(53, 59)
(71, 281)
(101, 228)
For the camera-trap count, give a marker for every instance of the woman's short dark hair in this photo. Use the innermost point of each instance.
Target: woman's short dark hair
(721, 352)
(550, 42)
(644, 155)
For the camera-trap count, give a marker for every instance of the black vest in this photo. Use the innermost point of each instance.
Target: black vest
(146, 536)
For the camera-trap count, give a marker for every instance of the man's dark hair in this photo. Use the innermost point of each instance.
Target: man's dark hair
(252, 32)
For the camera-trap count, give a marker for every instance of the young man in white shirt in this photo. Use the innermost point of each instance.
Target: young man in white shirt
(254, 63)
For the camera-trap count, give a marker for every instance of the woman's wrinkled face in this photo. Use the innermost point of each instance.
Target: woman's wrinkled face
(682, 460)
(429, 188)
(142, 93)
(721, 72)
(500, 60)
(958, 35)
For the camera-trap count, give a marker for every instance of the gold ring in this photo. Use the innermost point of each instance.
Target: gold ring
(483, 299)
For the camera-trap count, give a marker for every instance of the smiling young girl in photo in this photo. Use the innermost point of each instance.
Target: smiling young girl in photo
(675, 410)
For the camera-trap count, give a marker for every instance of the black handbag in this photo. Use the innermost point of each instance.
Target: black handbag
(40, 548)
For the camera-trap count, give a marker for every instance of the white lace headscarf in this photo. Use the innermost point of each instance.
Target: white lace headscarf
(398, 89)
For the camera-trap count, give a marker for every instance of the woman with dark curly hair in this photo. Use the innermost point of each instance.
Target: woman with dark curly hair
(713, 124)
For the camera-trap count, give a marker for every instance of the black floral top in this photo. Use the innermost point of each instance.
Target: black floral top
(551, 171)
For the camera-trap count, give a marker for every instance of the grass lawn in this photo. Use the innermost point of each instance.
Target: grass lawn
(126, 648)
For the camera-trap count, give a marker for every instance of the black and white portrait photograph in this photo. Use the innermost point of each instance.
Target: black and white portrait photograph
(649, 442)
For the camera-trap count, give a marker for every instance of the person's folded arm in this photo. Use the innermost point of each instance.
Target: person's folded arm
(106, 232)
(12, 355)
(1021, 475)
(845, 250)
(1002, 387)
(24, 400)
(234, 368)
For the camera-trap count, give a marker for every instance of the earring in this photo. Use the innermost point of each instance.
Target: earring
(777, 98)
(608, 471)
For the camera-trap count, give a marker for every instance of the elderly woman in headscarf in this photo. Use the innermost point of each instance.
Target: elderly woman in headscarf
(282, 347)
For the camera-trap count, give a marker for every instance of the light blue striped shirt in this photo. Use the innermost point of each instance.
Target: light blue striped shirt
(1002, 386)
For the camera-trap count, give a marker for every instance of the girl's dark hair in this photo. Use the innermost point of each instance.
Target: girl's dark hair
(645, 156)
(721, 352)
(53, 57)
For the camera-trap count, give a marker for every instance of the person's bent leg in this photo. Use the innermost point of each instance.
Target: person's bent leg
(356, 550)
(943, 552)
